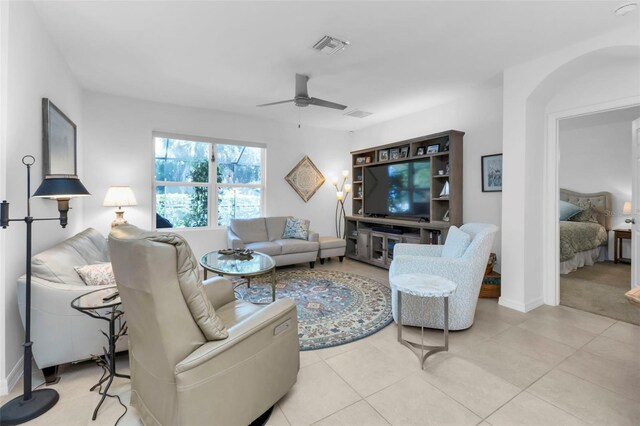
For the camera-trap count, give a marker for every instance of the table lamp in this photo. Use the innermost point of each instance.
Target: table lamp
(33, 403)
(119, 196)
(626, 209)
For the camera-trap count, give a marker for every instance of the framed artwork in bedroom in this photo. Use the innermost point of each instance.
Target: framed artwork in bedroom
(492, 173)
(58, 141)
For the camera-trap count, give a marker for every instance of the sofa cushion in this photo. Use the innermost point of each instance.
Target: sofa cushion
(250, 230)
(289, 246)
(96, 274)
(296, 228)
(56, 264)
(266, 247)
(456, 243)
(275, 227)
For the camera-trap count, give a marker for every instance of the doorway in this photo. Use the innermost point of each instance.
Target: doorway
(595, 191)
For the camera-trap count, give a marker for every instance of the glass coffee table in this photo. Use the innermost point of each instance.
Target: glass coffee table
(240, 266)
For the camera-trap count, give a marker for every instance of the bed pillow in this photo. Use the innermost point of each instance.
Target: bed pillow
(456, 243)
(568, 210)
(96, 274)
(589, 214)
(296, 228)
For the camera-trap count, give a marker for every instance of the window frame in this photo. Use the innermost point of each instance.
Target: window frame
(212, 185)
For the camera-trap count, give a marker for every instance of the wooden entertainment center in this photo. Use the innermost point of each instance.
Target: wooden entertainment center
(371, 239)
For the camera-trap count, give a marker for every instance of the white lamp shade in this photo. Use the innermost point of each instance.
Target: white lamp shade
(626, 209)
(118, 196)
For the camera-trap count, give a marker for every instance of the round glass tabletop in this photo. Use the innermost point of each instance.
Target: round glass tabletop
(97, 299)
(256, 264)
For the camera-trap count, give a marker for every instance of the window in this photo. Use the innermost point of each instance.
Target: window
(187, 195)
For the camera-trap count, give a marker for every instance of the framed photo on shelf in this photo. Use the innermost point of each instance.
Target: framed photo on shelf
(420, 150)
(404, 152)
(383, 155)
(491, 173)
(432, 149)
(394, 153)
(360, 160)
(367, 160)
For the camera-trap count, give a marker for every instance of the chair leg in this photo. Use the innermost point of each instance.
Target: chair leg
(51, 375)
(321, 261)
(341, 258)
(312, 265)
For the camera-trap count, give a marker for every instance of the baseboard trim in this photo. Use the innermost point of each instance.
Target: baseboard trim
(520, 306)
(7, 383)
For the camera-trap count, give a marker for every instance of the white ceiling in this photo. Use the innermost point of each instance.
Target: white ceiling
(230, 56)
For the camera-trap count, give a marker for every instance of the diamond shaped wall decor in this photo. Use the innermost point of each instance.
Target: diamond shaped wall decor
(305, 178)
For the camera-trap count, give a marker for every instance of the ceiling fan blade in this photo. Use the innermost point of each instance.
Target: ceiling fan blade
(275, 103)
(301, 86)
(323, 103)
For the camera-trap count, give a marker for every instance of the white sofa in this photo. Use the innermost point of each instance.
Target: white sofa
(61, 334)
(264, 234)
(466, 271)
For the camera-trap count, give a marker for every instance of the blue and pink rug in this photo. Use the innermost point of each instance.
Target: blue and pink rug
(334, 308)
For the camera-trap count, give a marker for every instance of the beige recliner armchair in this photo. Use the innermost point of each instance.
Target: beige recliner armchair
(189, 364)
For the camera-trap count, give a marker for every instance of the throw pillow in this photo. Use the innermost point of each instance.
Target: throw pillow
(588, 214)
(568, 210)
(296, 228)
(97, 274)
(456, 243)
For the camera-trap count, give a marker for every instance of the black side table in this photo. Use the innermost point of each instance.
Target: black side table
(104, 304)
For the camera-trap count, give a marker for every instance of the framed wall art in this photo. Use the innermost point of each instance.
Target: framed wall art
(492, 173)
(305, 178)
(59, 136)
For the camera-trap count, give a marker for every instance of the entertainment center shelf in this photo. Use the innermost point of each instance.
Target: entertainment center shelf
(442, 189)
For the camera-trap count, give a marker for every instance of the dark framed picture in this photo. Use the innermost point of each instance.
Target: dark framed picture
(492, 173)
(404, 152)
(383, 155)
(59, 141)
(420, 151)
(394, 153)
(360, 160)
(432, 149)
(446, 145)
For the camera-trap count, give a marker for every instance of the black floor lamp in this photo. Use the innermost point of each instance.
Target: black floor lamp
(32, 404)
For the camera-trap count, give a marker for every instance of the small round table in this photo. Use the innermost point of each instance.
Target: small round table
(423, 285)
(240, 266)
(104, 304)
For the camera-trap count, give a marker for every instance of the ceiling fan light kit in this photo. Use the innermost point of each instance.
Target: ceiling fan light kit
(302, 98)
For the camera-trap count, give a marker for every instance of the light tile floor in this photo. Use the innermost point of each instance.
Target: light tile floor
(551, 366)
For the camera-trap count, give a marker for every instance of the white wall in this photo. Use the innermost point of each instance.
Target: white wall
(119, 151)
(595, 155)
(35, 69)
(479, 115)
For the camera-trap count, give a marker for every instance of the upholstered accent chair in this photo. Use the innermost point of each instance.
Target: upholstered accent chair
(467, 271)
(197, 355)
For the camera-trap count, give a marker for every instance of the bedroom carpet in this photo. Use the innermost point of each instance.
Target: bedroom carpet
(600, 289)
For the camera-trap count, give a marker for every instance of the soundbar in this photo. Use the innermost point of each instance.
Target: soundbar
(387, 229)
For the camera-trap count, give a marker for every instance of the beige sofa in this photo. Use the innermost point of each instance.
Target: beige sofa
(60, 333)
(198, 355)
(264, 234)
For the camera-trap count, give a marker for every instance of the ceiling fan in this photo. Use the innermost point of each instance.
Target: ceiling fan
(302, 98)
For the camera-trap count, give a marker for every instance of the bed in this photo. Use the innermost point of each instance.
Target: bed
(584, 238)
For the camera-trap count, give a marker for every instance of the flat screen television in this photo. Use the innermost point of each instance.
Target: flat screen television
(398, 189)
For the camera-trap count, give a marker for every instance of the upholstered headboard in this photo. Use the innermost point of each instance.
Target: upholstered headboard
(601, 201)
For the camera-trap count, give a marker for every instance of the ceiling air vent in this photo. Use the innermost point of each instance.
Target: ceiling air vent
(330, 45)
(358, 113)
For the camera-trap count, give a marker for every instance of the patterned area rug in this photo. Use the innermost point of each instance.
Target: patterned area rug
(334, 308)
